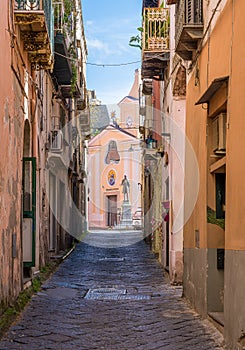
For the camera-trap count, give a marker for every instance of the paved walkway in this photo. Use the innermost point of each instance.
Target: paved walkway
(112, 299)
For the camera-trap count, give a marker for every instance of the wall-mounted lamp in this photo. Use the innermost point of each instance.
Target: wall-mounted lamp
(131, 149)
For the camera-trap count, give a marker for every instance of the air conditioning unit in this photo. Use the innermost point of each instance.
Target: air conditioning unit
(219, 134)
(56, 141)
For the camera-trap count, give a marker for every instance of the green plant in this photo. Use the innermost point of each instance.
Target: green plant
(36, 284)
(68, 7)
(136, 41)
(73, 78)
(8, 315)
(211, 218)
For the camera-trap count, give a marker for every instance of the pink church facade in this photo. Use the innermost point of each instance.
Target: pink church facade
(112, 154)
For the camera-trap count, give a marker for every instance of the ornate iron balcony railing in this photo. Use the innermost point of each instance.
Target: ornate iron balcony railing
(156, 23)
(28, 5)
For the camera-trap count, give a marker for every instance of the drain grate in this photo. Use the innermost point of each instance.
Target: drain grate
(113, 294)
(134, 297)
(104, 293)
(111, 259)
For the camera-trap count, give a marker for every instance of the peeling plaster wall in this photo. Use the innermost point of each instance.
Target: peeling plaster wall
(11, 134)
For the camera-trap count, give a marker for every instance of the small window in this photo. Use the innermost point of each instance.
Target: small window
(219, 134)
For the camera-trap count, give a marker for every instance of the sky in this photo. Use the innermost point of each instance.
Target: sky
(108, 27)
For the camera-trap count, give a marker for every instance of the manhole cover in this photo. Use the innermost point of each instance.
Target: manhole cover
(111, 259)
(105, 293)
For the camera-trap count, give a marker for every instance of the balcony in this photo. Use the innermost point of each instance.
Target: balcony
(189, 27)
(35, 21)
(65, 68)
(62, 64)
(147, 86)
(150, 3)
(171, 2)
(155, 42)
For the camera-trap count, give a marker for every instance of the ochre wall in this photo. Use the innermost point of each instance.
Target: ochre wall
(235, 218)
(223, 55)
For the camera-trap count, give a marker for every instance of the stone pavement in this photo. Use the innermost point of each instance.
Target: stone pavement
(113, 299)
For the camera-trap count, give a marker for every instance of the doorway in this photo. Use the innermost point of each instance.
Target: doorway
(52, 212)
(216, 253)
(167, 238)
(112, 210)
(28, 204)
(29, 211)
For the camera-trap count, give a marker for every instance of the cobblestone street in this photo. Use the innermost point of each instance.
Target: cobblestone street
(110, 298)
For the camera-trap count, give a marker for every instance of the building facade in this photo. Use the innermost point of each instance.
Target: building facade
(213, 243)
(201, 93)
(162, 123)
(42, 95)
(113, 154)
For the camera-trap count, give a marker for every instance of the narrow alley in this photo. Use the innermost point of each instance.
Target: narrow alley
(110, 298)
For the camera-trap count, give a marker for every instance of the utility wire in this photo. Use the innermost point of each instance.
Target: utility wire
(107, 64)
(112, 64)
(98, 64)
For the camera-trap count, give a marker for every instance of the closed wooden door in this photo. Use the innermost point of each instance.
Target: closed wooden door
(112, 210)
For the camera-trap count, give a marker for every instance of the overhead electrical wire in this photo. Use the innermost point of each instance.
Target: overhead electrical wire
(112, 64)
(106, 64)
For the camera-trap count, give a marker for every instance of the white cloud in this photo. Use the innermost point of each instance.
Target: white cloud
(98, 45)
(95, 44)
(89, 23)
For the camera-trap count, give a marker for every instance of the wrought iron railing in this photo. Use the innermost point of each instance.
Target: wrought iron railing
(64, 22)
(156, 24)
(28, 5)
(188, 12)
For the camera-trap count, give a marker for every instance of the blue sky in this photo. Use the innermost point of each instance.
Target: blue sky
(108, 27)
